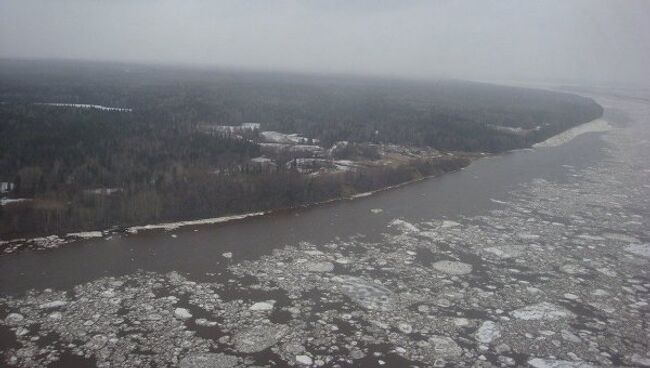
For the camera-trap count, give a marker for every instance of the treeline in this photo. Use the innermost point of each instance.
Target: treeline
(450, 115)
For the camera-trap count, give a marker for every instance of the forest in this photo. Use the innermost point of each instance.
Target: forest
(88, 168)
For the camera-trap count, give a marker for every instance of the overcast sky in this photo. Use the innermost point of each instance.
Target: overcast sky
(573, 40)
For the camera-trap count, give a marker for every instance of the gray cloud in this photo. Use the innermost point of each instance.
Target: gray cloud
(573, 40)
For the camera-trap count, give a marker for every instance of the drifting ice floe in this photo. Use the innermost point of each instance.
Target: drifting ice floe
(639, 249)
(403, 225)
(550, 363)
(367, 294)
(488, 332)
(452, 267)
(541, 311)
(258, 338)
(506, 251)
(209, 360)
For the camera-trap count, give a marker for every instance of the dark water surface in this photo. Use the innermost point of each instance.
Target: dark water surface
(198, 250)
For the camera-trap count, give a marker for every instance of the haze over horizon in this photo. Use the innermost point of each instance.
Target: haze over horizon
(577, 40)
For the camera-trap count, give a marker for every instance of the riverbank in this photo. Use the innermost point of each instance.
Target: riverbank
(396, 174)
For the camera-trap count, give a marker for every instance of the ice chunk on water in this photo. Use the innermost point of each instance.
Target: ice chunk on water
(54, 304)
(551, 363)
(263, 306)
(258, 338)
(447, 224)
(453, 267)
(445, 347)
(208, 360)
(488, 332)
(320, 266)
(365, 293)
(506, 251)
(182, 313)
(14, 318)
(541, 311)
(642, 250)
(303, 359)
(404, 226)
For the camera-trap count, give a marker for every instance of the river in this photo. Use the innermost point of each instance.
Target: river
(293, 262)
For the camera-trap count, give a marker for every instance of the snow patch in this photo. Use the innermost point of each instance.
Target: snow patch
(594, 126)
(86, 235)
(6, 201)
(209, 221)
(86, 106)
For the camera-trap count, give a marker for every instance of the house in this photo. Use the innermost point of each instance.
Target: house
(233, 129)
(6, 187)
(263, 162)
(250, 126)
